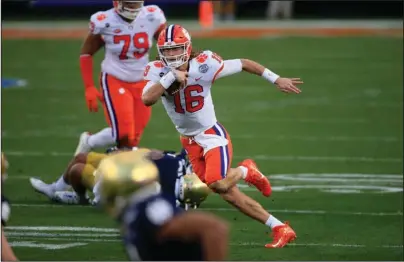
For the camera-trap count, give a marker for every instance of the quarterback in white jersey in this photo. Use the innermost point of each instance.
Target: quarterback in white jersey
(183, 80)
(126, 32)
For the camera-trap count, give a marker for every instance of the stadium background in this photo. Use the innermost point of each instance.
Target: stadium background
(73, 9)
(334, 154)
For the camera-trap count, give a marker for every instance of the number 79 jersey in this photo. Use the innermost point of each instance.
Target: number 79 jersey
(127, 45)
(191, 109)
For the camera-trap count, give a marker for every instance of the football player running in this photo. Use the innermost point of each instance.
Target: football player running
(183, 80)
(152, 227)
(176, 178)
(7, 253)
(126, 31)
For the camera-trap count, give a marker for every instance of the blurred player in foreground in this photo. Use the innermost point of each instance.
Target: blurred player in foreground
(153, 228)
(126, 32)
(176, 178)
(7, 253)
(183, 80)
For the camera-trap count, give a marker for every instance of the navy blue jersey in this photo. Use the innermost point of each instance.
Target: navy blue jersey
(5, 210)
(141, 223)
(171, 168)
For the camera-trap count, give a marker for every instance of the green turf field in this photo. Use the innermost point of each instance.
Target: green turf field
(334, 153)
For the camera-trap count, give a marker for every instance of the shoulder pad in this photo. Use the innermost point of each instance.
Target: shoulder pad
(97, 22)
(212, 57)
(154, 14)
(210, 64)
(154, 71)
(152, 8)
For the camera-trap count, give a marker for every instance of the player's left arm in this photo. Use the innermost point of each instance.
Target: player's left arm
(234, 66)
(7, 253)
(159, 19)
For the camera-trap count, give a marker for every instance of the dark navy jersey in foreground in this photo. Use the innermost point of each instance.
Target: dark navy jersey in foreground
(171, 168)
(141, 223)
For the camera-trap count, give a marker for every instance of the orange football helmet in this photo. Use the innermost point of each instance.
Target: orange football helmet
(128, 8)
(174, 46)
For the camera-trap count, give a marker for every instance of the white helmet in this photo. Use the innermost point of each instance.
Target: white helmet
(128, 12)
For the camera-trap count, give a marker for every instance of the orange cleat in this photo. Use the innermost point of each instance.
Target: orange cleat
(256, 178)
(282, 235)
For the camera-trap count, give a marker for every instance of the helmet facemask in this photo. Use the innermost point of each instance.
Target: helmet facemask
(175, 55)
(131, 11)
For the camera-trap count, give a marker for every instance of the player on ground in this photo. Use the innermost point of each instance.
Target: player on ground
(176, 177)
(153, 228)
(127, 32)
(183, 80)
(7, 253)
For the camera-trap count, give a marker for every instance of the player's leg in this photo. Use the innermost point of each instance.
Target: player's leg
(218, 172)
(81, 177)
(88, 142)
(118, 102)
(60, 184)
(282, 232)
(227, 177)
(63, 183)
(215, 174)
(195, 156)
(142, 113)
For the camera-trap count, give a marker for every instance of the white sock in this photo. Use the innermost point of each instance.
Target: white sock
(102, 138)
(60, 185)
(96, 190)
(245, 171)
(273, 222)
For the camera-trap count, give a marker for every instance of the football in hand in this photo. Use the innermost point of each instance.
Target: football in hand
(174, 88)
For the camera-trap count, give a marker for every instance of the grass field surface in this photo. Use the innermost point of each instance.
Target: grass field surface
(334, 153)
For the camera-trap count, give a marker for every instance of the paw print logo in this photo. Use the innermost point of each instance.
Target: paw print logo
(158, 64)
(101, 17)
(202, 58)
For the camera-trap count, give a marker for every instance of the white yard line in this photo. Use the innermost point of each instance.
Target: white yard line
(62, 228)
(252, 244)
(256, 157)
(33, 244)
(40, 234)
(292, 211)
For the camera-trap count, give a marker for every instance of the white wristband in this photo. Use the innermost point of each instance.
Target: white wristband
(269, 75)
(167, 80)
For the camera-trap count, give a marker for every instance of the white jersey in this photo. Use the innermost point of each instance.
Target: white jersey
(191, 109)
(127, 45)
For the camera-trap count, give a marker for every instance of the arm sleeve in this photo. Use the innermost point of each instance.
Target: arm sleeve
(230, 67)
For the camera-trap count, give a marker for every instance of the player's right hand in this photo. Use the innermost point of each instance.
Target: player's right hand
(181, 76)
(92, 94)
